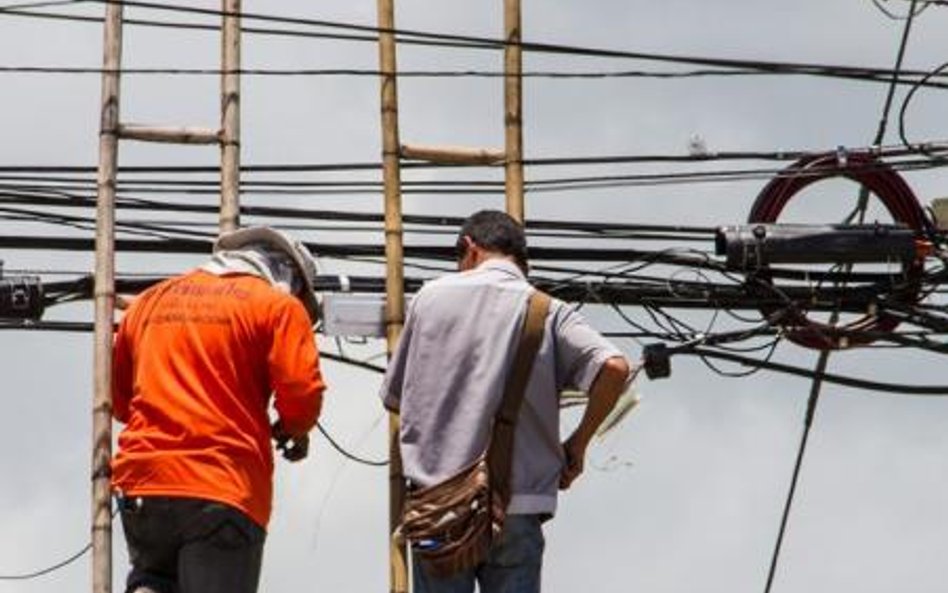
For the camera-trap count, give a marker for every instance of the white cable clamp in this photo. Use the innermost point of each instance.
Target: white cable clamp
(345, 285)
(841, 156)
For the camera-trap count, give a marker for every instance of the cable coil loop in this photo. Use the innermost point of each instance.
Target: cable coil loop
(877, 177)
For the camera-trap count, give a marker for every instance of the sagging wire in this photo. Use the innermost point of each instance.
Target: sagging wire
(370, 34)
(347, 454)
(899, 17)
(844, 380)
(51, 569)
(904, 108)
(29, 576)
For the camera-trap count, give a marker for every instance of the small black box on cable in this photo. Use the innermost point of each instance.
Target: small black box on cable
(657, 360)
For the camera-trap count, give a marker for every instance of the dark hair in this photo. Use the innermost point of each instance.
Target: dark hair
(495, 231)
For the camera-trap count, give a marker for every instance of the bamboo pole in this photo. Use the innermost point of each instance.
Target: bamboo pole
(453, 155)
(230, 117)
(173, 135)
(104, 296)
(513, 111)
(394, 278)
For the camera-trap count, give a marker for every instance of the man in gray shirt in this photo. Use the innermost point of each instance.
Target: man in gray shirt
(446, 380)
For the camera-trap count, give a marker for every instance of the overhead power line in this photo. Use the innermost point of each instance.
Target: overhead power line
(894, 388)
(42, 4)
(919, 79)
(416, 37)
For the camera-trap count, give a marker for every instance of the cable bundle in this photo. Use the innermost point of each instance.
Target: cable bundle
(876, 177)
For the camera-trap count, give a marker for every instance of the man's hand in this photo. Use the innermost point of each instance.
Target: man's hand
(295, 449)
(575, 451)
(603, 394)
(292, 448)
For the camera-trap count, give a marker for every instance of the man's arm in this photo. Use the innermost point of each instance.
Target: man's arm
(294, 373)
(610, 382)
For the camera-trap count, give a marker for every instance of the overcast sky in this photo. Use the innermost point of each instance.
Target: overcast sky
(687, 494)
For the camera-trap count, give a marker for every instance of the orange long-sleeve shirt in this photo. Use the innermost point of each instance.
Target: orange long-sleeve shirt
(195, 361)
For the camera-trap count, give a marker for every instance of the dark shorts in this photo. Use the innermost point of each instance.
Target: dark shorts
(185, 545)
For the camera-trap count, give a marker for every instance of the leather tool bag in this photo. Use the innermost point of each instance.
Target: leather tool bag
(452, 524)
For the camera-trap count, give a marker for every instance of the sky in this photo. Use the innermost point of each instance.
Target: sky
(687, 494)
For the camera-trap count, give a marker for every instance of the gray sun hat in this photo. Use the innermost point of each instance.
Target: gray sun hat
(302, 258)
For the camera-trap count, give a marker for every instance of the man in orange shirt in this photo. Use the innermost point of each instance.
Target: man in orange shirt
(196, 360)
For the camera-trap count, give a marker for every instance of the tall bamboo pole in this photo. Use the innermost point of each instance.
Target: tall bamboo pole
(104, 296)
(230, 117)
(394, 277)
(513, 110)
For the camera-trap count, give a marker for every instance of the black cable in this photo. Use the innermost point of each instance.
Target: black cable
(896, 72)
(53, 568)
(40, 4)
(812, 400)
(771, 349)
(897, 17)
(889, 152)
(536, 186)
(45, 571)
(471, 42)
(488, 43)
(904, 108)
(346, 453)
(853, 382)
(876, 77)
(820, 374)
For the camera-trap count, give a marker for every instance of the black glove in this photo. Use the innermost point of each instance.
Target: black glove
(292, 448)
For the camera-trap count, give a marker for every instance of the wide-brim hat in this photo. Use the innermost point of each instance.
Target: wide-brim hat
(280, 241)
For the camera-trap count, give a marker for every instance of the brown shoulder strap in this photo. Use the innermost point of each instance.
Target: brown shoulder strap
(500, 451)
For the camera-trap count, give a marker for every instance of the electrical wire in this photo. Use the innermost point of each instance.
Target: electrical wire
(898, 17)
(483, 42)
(29, 576)
(846, 381)
(880, 152)
(901, 203)
(904, 108)
(51, 569)
(876, 77)
(674, 329)
(411, 37)
(348, 455)
(891, 190)
(41, 4)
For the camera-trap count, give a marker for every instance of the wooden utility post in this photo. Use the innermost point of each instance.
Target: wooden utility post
(105, 305)
(230, 117)
(392, 153)
(394, 277)
(513, 109)
(111, 131)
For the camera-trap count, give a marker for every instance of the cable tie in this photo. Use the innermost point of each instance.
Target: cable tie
(841, 156)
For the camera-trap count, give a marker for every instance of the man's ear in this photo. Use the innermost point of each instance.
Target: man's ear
(467, 253)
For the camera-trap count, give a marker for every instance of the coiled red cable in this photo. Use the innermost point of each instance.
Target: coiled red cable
(895, 194)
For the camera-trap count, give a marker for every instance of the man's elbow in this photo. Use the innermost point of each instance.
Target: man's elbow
(616, 371)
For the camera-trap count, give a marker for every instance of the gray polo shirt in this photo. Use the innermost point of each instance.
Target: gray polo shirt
(448, 372)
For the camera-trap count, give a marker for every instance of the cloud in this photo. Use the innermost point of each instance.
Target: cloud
(711, 458)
